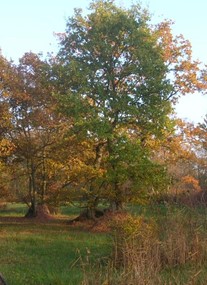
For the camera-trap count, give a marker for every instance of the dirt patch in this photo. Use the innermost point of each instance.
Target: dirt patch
(36, 220)
(101, 224)
(41, 213)
(13, 220)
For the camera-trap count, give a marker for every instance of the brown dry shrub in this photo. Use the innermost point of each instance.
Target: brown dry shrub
(136, 249)
(181, 239)
(3, 205)
(144, 248)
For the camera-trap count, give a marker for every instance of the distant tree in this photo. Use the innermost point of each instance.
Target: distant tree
(199, 142)
(179, 153)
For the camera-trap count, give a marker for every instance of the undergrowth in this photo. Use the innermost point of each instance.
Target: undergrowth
(162, 251)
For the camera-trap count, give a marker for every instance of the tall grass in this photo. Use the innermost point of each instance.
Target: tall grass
(168, 250)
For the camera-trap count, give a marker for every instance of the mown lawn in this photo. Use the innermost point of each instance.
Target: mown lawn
(46, 253)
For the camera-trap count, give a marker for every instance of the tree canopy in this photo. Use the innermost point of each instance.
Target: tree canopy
(122, 76)
(93, 123)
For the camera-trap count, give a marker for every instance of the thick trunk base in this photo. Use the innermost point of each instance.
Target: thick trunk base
(87, 215)
(31, 213)
(2, 280)
(40, 212)
(116, 207)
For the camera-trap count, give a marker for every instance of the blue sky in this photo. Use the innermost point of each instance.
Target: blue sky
(28, 25)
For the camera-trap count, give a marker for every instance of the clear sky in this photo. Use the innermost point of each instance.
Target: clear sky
(28, 25)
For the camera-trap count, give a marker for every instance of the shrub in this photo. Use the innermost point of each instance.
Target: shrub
(144, 248)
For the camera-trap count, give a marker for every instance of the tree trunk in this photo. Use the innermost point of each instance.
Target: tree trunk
(2, 280)
(116, 203)
(32, 211)
(116, 206)
(40, 211)
(91, 213)
(44, 182)
(32, 192)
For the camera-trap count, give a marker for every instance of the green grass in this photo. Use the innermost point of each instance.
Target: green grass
(44, 254)
(70, 210)
(13, 209)
(19, 209)
(56, 253)
(49, 254)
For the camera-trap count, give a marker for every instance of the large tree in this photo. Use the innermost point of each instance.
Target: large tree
(33, 128)
(120, 76)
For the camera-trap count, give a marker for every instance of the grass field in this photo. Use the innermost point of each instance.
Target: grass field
(56, 253)
(36, 253)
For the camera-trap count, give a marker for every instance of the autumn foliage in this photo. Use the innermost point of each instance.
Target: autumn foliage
(95, 123)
